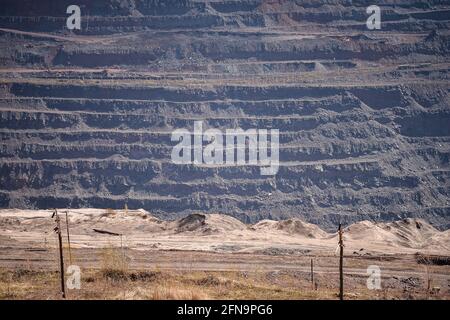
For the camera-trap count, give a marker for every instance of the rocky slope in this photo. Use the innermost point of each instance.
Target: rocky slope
(86, 116)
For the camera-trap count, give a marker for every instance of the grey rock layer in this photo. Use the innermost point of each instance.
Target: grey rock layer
(86, 116)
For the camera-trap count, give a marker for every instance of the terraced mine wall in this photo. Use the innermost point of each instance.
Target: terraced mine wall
(86, 116)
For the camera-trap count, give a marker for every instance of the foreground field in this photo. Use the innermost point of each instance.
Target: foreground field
(199, 275)
(126, 254)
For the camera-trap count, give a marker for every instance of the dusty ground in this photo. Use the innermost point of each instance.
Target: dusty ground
(214, 256)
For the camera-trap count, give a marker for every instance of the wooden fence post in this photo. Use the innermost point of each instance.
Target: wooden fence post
(68, 237)
(61, 256)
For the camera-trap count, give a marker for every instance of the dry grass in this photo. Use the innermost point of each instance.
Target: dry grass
(165, 292)
(114, 263)
(173, 293)
(117, 283)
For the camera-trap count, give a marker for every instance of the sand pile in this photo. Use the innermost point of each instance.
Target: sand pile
(411, 232)
(117, 221)
(365, 230)
(293, 227)
(408, 233)
(192, 222)
(208, 231)
(207, 224)
(440, 240)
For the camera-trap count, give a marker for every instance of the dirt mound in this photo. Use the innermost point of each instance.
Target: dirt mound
(124, 221)
(208, 224)
(409, 233)
(224, 222)
(362, 230)
(223, 233)
(440, 240)
(293, 227)
(191, 223)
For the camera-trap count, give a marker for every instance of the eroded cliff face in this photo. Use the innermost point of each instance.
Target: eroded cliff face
(86, 117)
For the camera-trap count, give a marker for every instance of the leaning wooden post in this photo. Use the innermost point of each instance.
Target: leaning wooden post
(68, 237)
(122, 252)
(341, 264)
(61, 257)
(312, 273)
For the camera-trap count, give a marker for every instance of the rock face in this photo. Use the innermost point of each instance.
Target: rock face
(86, 116)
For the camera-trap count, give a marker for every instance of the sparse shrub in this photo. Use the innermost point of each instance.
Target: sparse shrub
(209, 280)
(114, 274)
(114, 264)
(144, 276)
(21, 273)
(432, 260)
